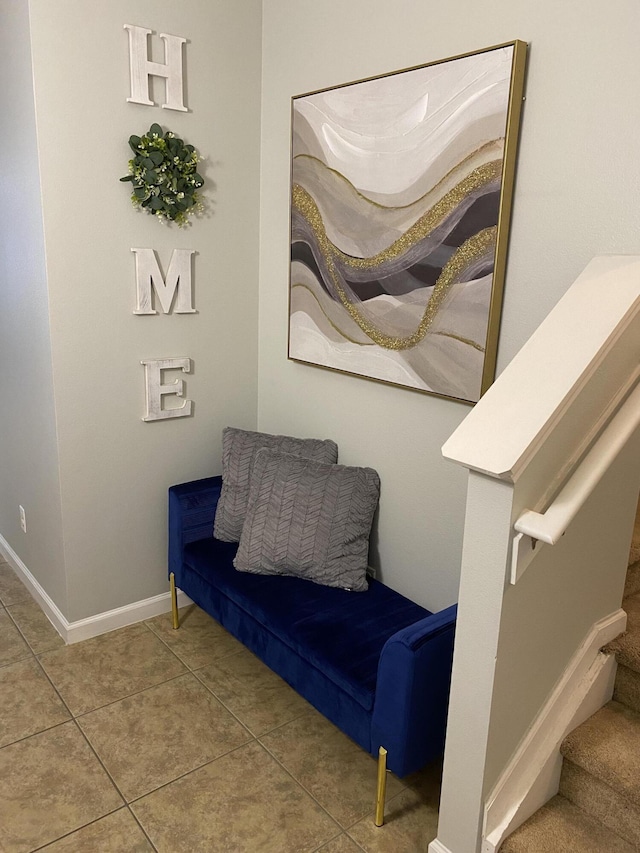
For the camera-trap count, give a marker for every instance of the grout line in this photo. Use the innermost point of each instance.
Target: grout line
(159, 637)
(96, 756)
(73, 720)
(404, 785)
(345, 829)
(227, 709)
(353, 841)
(256, 741)
(35, 734)
(192, 770)
(24, 636)
(233, 713)
(304, 787)
(57, 692)
(17, 627)
(251, 738)
(73, 831)
(184, 662)
(329, 841)
(108, 704)
(18, 660)
(126, 803)
(91, 747)
(79, 714)
(28, 597)
(345, 832)
(143, 830)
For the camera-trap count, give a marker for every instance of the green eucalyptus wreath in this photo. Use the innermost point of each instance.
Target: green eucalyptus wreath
(164, 174)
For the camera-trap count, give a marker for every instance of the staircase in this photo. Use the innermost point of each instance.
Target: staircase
(597, 809)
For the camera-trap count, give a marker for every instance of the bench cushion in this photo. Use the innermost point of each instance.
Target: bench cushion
(339, 633)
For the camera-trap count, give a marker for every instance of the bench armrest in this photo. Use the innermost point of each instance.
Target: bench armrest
(192, 508)
(412, 692)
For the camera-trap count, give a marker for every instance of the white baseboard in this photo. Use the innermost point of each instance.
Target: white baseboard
(532, 776)
(92, 626)
(438, 847)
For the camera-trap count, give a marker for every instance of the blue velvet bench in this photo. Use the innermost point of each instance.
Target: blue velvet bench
(374, 663)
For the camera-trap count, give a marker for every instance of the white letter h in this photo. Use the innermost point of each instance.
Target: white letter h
(141, 68)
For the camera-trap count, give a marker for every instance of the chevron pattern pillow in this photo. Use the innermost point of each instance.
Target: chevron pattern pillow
(239, 448)
(309, 519)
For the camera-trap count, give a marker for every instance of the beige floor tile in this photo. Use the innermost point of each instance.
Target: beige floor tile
(12, 646)
(50, 785)
(160, 734)
(199, 640)
(34, 626)
(341, 844)
(28, 702)
(117, 833)
(334, 769)
(253, 692)
(109, 667)
(242, 802)
(427, 782)
(411, 818)
(12, 589)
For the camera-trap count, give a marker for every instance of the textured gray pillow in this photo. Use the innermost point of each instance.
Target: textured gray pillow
(239, 447)
(309, 519)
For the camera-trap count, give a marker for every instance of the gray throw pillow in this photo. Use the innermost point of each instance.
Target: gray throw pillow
(309, 519)
(239, 447)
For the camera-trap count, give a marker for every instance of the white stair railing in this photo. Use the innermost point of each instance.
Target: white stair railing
(533, 528)
(553, 446)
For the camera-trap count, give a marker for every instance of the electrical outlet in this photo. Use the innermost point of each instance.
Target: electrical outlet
(23, 519)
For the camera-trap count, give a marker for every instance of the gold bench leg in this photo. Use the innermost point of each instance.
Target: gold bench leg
(382, 786)
(174, 601)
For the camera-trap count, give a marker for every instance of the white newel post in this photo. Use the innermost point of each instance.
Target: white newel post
(527, 662)
(485, 559)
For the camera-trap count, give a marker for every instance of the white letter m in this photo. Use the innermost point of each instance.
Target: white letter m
(149, 276)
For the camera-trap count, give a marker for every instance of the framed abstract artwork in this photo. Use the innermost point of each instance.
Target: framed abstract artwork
(401, 189)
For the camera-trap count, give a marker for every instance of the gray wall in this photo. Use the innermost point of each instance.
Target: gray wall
(115, 469)
(105, 471)
(576, 196)
(28, 443)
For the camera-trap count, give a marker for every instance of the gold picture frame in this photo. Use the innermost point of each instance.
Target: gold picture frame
(401, 194)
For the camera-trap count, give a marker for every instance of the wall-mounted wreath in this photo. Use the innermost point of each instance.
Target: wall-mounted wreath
(164, 174)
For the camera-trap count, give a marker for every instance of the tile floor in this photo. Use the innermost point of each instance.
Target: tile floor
(150, 739)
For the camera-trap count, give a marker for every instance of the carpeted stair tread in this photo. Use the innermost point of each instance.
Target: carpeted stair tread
(606, 746)
(627, 646)
(600, 802)
(561, 827)
(599, 799)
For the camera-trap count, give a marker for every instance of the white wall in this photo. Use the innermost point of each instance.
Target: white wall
(576, 196)
(28, 446)
(115, 469)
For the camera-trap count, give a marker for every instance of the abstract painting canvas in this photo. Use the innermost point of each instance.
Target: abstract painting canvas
(400, 201)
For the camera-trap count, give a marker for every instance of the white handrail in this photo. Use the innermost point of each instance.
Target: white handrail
(551, 525)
